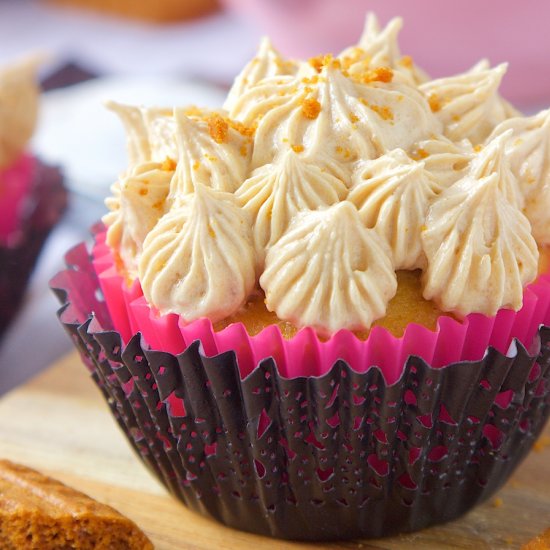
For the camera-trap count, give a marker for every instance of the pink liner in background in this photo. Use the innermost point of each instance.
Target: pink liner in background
(15, 182)
(305, 354)
(444, 38)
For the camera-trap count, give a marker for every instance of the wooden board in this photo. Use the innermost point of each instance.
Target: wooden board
(58, 423)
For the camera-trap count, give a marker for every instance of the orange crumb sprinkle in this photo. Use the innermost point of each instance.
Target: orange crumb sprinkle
(357, 55)
(246, 131)
(218, 128)
(541, 444)
(143, 191)
(168, 165)
(381, 74)
(313, 80)
(406, 61)
(384, 112)
(420, 154)
(345, 152)
(158, 205)
(297, 148)
(282, 64)
(497, 503)
(193, 110)
(321, 61)
(211, 231)
(478, 148)
(435, 103)
(243, 150)
(196, 165)
(456, 118)
(311, 108)
(317, 62)
(353, 118)
(121, 268)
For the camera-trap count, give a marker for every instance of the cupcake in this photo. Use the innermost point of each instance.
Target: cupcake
(32, 197)
(319, 313)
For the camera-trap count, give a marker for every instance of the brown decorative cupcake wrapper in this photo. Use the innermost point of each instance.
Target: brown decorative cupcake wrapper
(339, 456)
(45, 206)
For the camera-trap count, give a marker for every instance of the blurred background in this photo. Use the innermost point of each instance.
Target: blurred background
(177, 52)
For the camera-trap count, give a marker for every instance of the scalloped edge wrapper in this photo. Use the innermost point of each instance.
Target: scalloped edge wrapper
(338, 453)
(40, 211)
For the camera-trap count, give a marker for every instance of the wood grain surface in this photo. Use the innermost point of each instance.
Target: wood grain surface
(59, 424)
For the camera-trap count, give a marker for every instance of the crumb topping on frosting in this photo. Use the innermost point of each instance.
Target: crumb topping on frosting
(319, 179)
(311, 108)
(218, 128)
(380, 74)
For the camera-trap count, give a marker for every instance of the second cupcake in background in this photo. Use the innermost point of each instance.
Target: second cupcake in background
(360, 252)
(32, 196)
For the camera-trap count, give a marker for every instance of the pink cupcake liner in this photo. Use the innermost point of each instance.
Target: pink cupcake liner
(331, 454)
(15, 185)
(32, 201)
(305, 354)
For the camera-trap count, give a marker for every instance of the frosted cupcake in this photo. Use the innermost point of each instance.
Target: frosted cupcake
(32, 197)
(323, 303)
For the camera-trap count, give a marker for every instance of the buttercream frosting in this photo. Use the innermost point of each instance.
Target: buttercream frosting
(379, 47)
(392, 195)
(329, 271)
(267, 62)
(528, 151)
(275, 193)
(443, 158)
(209, 152)
(150, 132)
(198, 260)
(493, 159)
(468, 104)
(138, 202)
(479, 248)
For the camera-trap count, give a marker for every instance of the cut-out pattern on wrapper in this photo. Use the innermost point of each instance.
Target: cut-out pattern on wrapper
(374, 458)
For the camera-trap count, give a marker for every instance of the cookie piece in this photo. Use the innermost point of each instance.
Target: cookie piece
(38, 512)
(542, 542)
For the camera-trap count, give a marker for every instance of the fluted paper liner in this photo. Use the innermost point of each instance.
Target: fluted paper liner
(350, 453)
(20, 243)
(305, 354)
